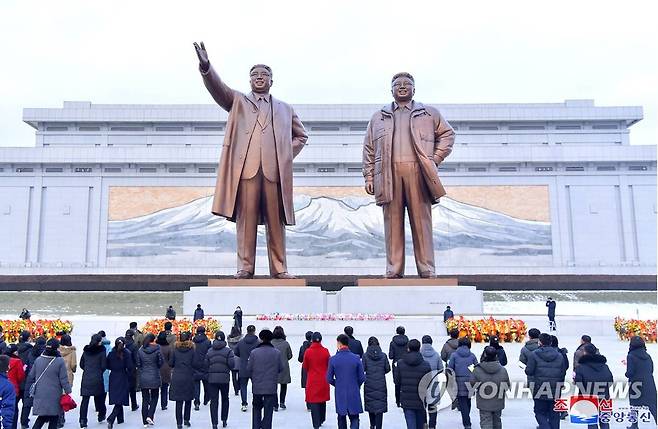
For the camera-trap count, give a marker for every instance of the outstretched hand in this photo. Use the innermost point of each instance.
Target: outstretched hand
(201, 52)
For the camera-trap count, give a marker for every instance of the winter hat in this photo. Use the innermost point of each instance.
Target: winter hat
(219, 335)
(266, 336)
(162, 339)
(317, 337)
(11, 350)
(66, 340)
(4, 364)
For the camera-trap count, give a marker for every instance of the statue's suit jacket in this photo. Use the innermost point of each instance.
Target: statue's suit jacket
(289, 135)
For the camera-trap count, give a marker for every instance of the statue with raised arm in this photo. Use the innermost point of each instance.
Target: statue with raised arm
(404, 145)
(254, 178)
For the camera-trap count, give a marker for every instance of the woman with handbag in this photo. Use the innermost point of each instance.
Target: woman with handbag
(48, 379)
(121, 365)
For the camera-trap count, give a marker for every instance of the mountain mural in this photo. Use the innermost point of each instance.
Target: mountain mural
(338, 231)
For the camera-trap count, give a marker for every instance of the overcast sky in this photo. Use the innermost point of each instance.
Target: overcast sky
(328, 52)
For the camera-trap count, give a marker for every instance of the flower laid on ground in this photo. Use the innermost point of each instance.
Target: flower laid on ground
(627, 328)
(41, 327)
(155, 326)
(326, 316)
(480, 330)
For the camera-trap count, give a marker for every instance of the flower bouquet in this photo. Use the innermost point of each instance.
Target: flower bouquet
(627, 328)
(155, 326)
(480, 330)
(38, 328)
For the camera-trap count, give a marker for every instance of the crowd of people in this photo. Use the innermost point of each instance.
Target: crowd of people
(190, 370)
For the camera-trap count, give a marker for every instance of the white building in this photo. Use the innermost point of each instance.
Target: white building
(534, 189)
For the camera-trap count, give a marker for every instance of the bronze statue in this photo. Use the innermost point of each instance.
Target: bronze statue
(404, 144)
(254, 179)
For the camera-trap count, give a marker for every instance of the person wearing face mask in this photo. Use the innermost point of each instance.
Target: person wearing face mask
(254, 178)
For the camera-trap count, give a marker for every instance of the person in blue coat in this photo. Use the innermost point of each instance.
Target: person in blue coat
(346, 374)
(7, 395)
(121, 365)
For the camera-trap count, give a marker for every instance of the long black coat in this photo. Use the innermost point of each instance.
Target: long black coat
(376, 366)
(411, 369)
(355, 346)
(201, 346)
(93, 363)
(593, 377)
(182, 372)
(639, 369)
(300, 358)
(219, 361)
(121, 373)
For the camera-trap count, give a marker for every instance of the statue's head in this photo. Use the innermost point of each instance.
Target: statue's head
(402, 87)
(260, 77)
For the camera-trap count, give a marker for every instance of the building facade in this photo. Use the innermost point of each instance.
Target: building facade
(532, 189)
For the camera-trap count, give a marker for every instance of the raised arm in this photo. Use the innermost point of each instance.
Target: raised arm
(221, 92)
(444, 138)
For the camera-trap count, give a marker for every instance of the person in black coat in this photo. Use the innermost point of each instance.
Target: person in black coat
(411, 369)
(237, 318)
(354, 344)
(133, 348)
(219, 361)
(639, 371)
(550, 304)
(447, 315)
(121, 365)
(93, 363)
(300, 358)
(396, 350)
(182, 378)
(171, 313)
(376, 366)
(201, 346)
(243, 350)
(198, 313)
(593, 377)
(546, 366)
(149, 361)
(30, 355)
(500, 351)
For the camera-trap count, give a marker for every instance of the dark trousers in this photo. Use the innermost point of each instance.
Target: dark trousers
(465, 408)
(214, 391)
(41, 420)
(432, 418)
(354, 421)
(25, 412)
(415, 418)
(282, 393)
(116, 414)
(180, 416)
(99, 404)
(236, 382)
(19, 397)
(149, 403)
(133, 400)
(318, 413)
(164, 395)
(376, 420)
(197, 392)
(243, 389)
(490, 420)
(546, 417)
(262, 411)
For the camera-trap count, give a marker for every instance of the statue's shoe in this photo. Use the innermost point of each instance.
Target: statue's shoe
(242, 274)
(283, 276)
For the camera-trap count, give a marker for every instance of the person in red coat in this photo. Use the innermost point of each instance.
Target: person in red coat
(315, 363)
(16, 371)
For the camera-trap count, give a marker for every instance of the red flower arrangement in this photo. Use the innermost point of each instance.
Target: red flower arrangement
(38, 328)
(627, 328)
(479, 331)
(155, 326)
